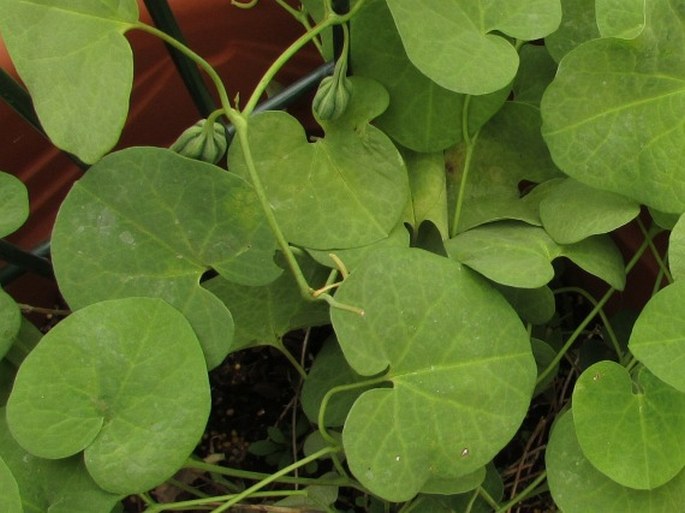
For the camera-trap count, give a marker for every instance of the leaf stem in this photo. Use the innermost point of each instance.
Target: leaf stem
(293, 361)
(336, 390)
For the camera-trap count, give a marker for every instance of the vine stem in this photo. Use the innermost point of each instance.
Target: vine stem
(258, 476)
(524, 493)
(332, 18)
(470, 143)
(663, 268)
(597, 308)
(211, 501)
(273, 477)
(229, 111)
(302, 17)
(242, 130)
(605, 320)
(240, 122)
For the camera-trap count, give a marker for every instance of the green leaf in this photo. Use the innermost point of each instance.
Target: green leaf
(125, 381)
(453, 486)
(515, 255)
(262, 315)
(612, 117)
(53, 486)
(454, 43)
(428, 190)
(578, 25)
(352, 257)
(7, 373)
(536, 71)
(330, 369)
(634, 437)
(14, 203)
(509, 150)
(10, 322)
(664, 220)
(77, 65)
(676, 249)
(572, 211)
(438, 332)
(25, 340)
(536, 306)
(620, 18)
(544, 356)
(10, 500)
(422, 115)
(462, 503)
(148, 222)
(346, 190)
(658, 337)
(519, 255)
(578, 487)
(599, 256)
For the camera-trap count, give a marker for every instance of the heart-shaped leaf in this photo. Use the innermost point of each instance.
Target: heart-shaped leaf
(123, 380)
(81, 98)
(52, 486)
(438, 332)
(346, 190)
(572, 211)
(148, 222)
(454, 44)
(14, 204)
(422, 115)
(10, 500)
(613, 116)
(578, 487)
(620, 18)
(634, 437)
(658, 337)
(519, 255)
(10, 322)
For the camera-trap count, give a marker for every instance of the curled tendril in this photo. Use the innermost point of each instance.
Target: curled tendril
(249, 4)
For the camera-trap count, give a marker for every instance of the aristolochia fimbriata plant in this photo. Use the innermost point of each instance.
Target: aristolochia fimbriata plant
(465, 148)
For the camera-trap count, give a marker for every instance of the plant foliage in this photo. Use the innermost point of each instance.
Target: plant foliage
(476, 164)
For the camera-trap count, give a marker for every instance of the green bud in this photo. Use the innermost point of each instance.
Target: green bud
(199, 143)
(333, 94)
